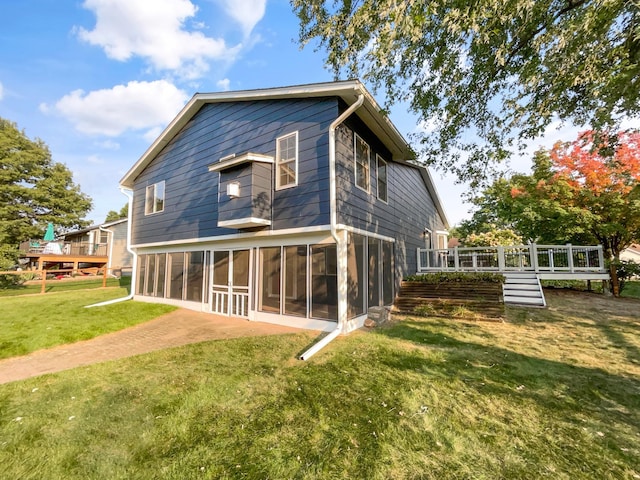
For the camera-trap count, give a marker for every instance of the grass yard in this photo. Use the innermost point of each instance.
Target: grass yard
(553, 393)
(65, 285)
(33, 322)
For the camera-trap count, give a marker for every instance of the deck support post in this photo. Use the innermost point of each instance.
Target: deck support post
(533, 252)
(456, 259)
(570, 257)
(501, 259)
(43, 277)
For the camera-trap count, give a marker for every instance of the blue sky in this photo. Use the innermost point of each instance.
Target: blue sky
(98, 80)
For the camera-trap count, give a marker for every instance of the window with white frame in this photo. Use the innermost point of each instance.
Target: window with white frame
(287, 161)
(362, 159)
(154, 198)
(381, 173)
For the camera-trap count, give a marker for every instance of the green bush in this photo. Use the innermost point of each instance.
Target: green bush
(457, 277)
(626, 270)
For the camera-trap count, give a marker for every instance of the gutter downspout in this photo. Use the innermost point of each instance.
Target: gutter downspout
(334, 221)
(129, 194)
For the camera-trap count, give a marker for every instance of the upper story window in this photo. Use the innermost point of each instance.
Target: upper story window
(382, 178)
(154, 198)
(287, 161)
(362, 159)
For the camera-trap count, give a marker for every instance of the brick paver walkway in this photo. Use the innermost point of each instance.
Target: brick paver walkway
(179, 327)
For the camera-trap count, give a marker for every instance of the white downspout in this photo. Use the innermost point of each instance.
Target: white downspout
(129, 194)
(333, 204)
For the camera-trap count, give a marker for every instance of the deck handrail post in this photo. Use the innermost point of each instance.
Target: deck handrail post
(601, 257)
(570, 253)
(552, 267)
(501, 259)
(533, 252)
(456, 259)
(418, 256)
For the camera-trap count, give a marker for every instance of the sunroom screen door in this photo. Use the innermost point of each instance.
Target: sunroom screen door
(230, 285)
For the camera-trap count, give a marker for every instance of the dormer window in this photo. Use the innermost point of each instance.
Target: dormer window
(287, 161)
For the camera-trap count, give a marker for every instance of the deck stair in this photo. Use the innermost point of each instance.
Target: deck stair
(523, 288)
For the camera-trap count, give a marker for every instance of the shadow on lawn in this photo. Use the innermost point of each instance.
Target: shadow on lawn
(558, 387)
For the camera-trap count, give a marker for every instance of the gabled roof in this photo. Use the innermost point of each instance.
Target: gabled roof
(96, 227)
(349, 91)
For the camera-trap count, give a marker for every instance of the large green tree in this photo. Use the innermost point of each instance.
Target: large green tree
(112, 215)
(585, 191)
(485, 76)
(34, 190)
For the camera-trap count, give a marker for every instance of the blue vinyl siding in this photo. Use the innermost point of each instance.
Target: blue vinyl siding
(409, 208)
(218, 130)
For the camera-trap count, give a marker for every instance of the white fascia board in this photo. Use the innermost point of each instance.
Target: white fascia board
(288, 232)
(347, 90)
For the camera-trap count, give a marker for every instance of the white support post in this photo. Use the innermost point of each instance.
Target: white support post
(533, 251)
(570, 253)
(501, 260)
(456, 259)
(552, 267)
(601, 257)
(419, 257)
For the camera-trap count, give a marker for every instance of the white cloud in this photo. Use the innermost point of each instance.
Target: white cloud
(224, 84)
(1, 91)
(109, 145)
(246, 12)
(153, 133)
(156, 32)
(135, 106)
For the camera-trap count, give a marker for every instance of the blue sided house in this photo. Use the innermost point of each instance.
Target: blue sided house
(294, 205)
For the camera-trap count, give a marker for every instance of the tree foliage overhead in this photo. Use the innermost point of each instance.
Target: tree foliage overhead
(585, 191)
(34, 190)
(486, 76)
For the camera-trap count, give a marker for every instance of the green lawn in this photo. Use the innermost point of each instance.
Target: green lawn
(631, 289)
(51, 286)
(33, 322)
(552, 393)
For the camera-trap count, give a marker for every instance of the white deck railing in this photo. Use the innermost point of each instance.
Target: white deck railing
(532, 257)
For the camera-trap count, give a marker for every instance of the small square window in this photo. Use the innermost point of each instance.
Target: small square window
(287, 161)
(154, 198)
(362, 154)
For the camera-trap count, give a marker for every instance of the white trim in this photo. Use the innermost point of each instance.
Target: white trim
(355, 163)
(244, 222)
(238, 236)
(359, 231)
(296, 322)
(197, 306)
(277, 173)
(233, 160)
(378, 159)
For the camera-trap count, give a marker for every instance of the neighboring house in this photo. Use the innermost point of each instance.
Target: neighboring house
(108, 239)
(631, 253)
(288, 205)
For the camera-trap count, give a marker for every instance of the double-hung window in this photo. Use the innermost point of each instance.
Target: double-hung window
(382, 178)
(362, 159)
(154, 198)
(287, 161)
